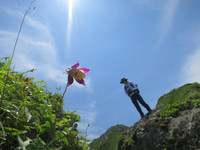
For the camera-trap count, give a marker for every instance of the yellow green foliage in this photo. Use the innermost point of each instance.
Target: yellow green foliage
(31, 117)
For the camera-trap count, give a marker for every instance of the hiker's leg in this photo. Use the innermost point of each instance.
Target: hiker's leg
(134, 100)
(141, 100)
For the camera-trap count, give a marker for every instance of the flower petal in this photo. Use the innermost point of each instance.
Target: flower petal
(70, 80)
(75, 66)
(80, 81)
(86, 70)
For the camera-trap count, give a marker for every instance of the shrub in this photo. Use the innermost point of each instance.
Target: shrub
(32, 117)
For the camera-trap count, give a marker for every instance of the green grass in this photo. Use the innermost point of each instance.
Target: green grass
(180, 94)
(172, 110)
(182, 98)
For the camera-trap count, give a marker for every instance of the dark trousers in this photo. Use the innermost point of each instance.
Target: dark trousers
(135, 98)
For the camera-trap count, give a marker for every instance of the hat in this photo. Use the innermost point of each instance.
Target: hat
(122, 80)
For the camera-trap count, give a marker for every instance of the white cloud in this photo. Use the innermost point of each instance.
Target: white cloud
(27, 63)
(167, 19)
(88, 116)
(39, 54)
(90, 132)
(88, 83)
(33, 53)
(6, 42)
(190, 69)
(167, 9)
(12, 12)
(36, 49)
(53, 73)
(92, 136)
(89, 113)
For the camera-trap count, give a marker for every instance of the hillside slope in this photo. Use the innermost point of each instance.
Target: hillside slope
(173, 125)
(109, 140)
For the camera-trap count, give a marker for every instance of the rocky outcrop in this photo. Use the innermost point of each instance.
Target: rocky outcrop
(175, 126)
(171, 133)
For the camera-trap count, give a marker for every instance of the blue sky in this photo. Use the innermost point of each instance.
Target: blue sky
(151, 42)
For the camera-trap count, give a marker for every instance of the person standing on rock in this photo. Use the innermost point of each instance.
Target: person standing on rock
(133, 92)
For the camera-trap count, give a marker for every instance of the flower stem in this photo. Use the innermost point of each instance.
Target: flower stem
(64, 91)
(16, 41)
(57, 115)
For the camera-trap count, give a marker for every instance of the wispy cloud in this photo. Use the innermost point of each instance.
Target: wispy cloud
(167, 9)
(12, 12)
(168, 16)
(88, 87)
(88, 115)
(6, 38)
(36, 49)
(25, 62)
(88, 112)
(152, 4)
(32, 53)
(190, 70)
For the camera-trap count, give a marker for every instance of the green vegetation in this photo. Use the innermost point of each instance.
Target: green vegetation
(172, 110)
(127, 143)
(185, 97)
(109, 140)
(31, 117)
(180, 94)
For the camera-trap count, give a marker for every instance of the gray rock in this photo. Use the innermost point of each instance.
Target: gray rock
(170, 133)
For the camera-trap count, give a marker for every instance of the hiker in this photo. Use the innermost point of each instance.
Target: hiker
(133, 92)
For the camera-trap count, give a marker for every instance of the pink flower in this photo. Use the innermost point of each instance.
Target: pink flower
(76, 73)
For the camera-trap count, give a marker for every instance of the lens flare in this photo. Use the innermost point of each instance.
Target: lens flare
(69, 24)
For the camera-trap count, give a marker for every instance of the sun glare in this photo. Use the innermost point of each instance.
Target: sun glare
(70, 9)
(69, 24)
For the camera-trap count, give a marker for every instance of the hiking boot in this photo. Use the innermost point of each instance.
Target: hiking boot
(149, 112)
(142, 116)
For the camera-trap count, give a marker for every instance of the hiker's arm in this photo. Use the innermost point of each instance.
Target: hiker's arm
(125, 91)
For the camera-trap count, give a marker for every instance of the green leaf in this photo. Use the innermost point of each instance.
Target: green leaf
(22, 143)
(38, 127)
(4, 134)
(58, 89)
(28, 115)
(12, 131)
(47, 124)
(64, 121)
